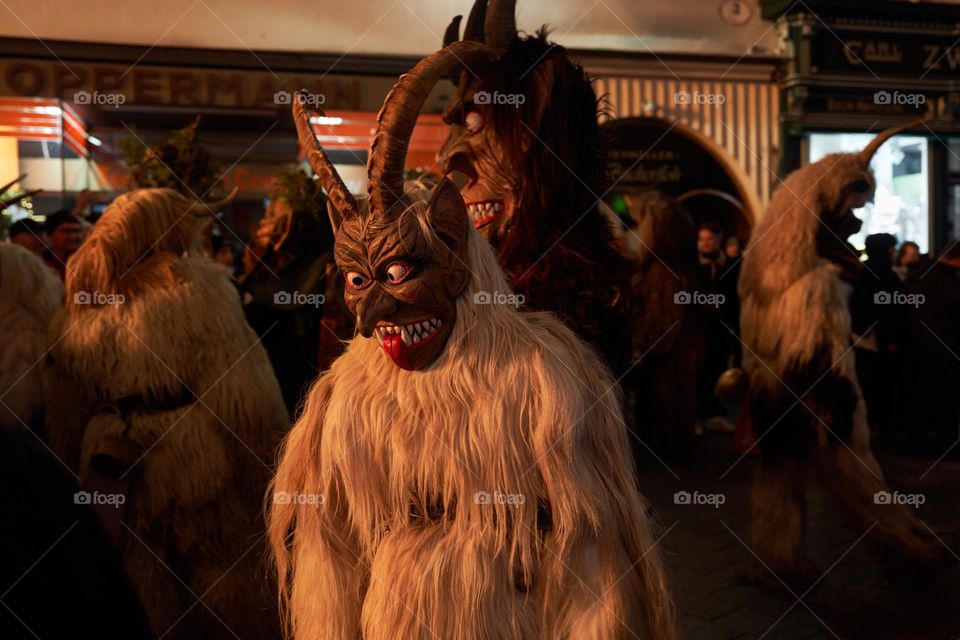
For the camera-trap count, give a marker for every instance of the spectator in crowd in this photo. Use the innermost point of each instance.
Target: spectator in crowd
(878, 321)
(224, 252)
(28, 233)
(933, 321)
(908, 254)
(64, 237)
(712, 259)
(731, 276)
(719, 331)
(733, 247)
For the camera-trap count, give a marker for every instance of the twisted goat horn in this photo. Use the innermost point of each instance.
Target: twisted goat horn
(398, 116)
(341, 198)
(500, 25)
(867, 154)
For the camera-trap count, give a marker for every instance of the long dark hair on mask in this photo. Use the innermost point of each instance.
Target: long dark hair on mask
(557, 251)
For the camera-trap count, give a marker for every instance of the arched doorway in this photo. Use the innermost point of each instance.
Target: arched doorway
(652, 153)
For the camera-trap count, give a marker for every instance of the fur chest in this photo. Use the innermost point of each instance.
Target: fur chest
(424, 446)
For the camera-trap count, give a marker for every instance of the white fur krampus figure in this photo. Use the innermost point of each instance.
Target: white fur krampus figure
(462, 470)
(30, 293)
(804, 400)
(165, 393)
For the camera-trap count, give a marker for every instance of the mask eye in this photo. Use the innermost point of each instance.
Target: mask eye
(356, 280)
(398, 272)
(473, 121)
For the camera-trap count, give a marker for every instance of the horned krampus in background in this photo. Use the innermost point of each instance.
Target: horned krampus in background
(804, 400)
(668, 333)
(284, 291)
(462, 471)
(524, 132)
(167, 397)
(30, 293)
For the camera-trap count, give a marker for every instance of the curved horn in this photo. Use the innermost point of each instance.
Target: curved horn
(867, 154)
(475, 21)
(398, 116)
(215, 207)
(330, 180)
(452, 34)
(500, 25)
(5, 187)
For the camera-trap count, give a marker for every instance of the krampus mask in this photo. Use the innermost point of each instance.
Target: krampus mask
(524, 134)
(824, 195)
(403, 271)
(510, 126)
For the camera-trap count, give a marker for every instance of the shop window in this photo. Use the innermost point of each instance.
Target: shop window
(902, 202)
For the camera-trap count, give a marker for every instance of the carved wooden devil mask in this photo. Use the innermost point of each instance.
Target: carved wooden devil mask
(402, 253)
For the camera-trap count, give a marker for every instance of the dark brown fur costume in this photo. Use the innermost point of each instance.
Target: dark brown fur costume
(668, 337)
(543, 158)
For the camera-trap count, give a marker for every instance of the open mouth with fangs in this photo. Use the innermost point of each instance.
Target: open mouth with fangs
(484, 212)
(399, 339)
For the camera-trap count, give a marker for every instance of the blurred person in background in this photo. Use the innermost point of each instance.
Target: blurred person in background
(908, 254)
(878, 321)
(733, 247)
(28, 233)
(713, 269)
(223, 252)
(933, 322)
(668, 337)
(284, 288)
(64, 237)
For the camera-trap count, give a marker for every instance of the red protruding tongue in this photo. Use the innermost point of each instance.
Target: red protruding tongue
(396, 348)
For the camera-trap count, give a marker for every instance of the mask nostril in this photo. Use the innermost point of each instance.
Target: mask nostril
(459, 179)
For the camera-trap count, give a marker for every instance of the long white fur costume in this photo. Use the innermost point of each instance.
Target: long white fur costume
(30, 293)
(795, 322)
(196, 489)
(515, 405)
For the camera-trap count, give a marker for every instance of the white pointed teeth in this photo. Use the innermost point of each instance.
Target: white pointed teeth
(480, 211)
(410, 333)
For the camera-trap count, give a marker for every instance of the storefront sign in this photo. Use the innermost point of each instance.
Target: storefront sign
(114, 85)
(906, 55)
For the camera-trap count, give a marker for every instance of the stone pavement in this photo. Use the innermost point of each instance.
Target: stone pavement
(705, 549)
